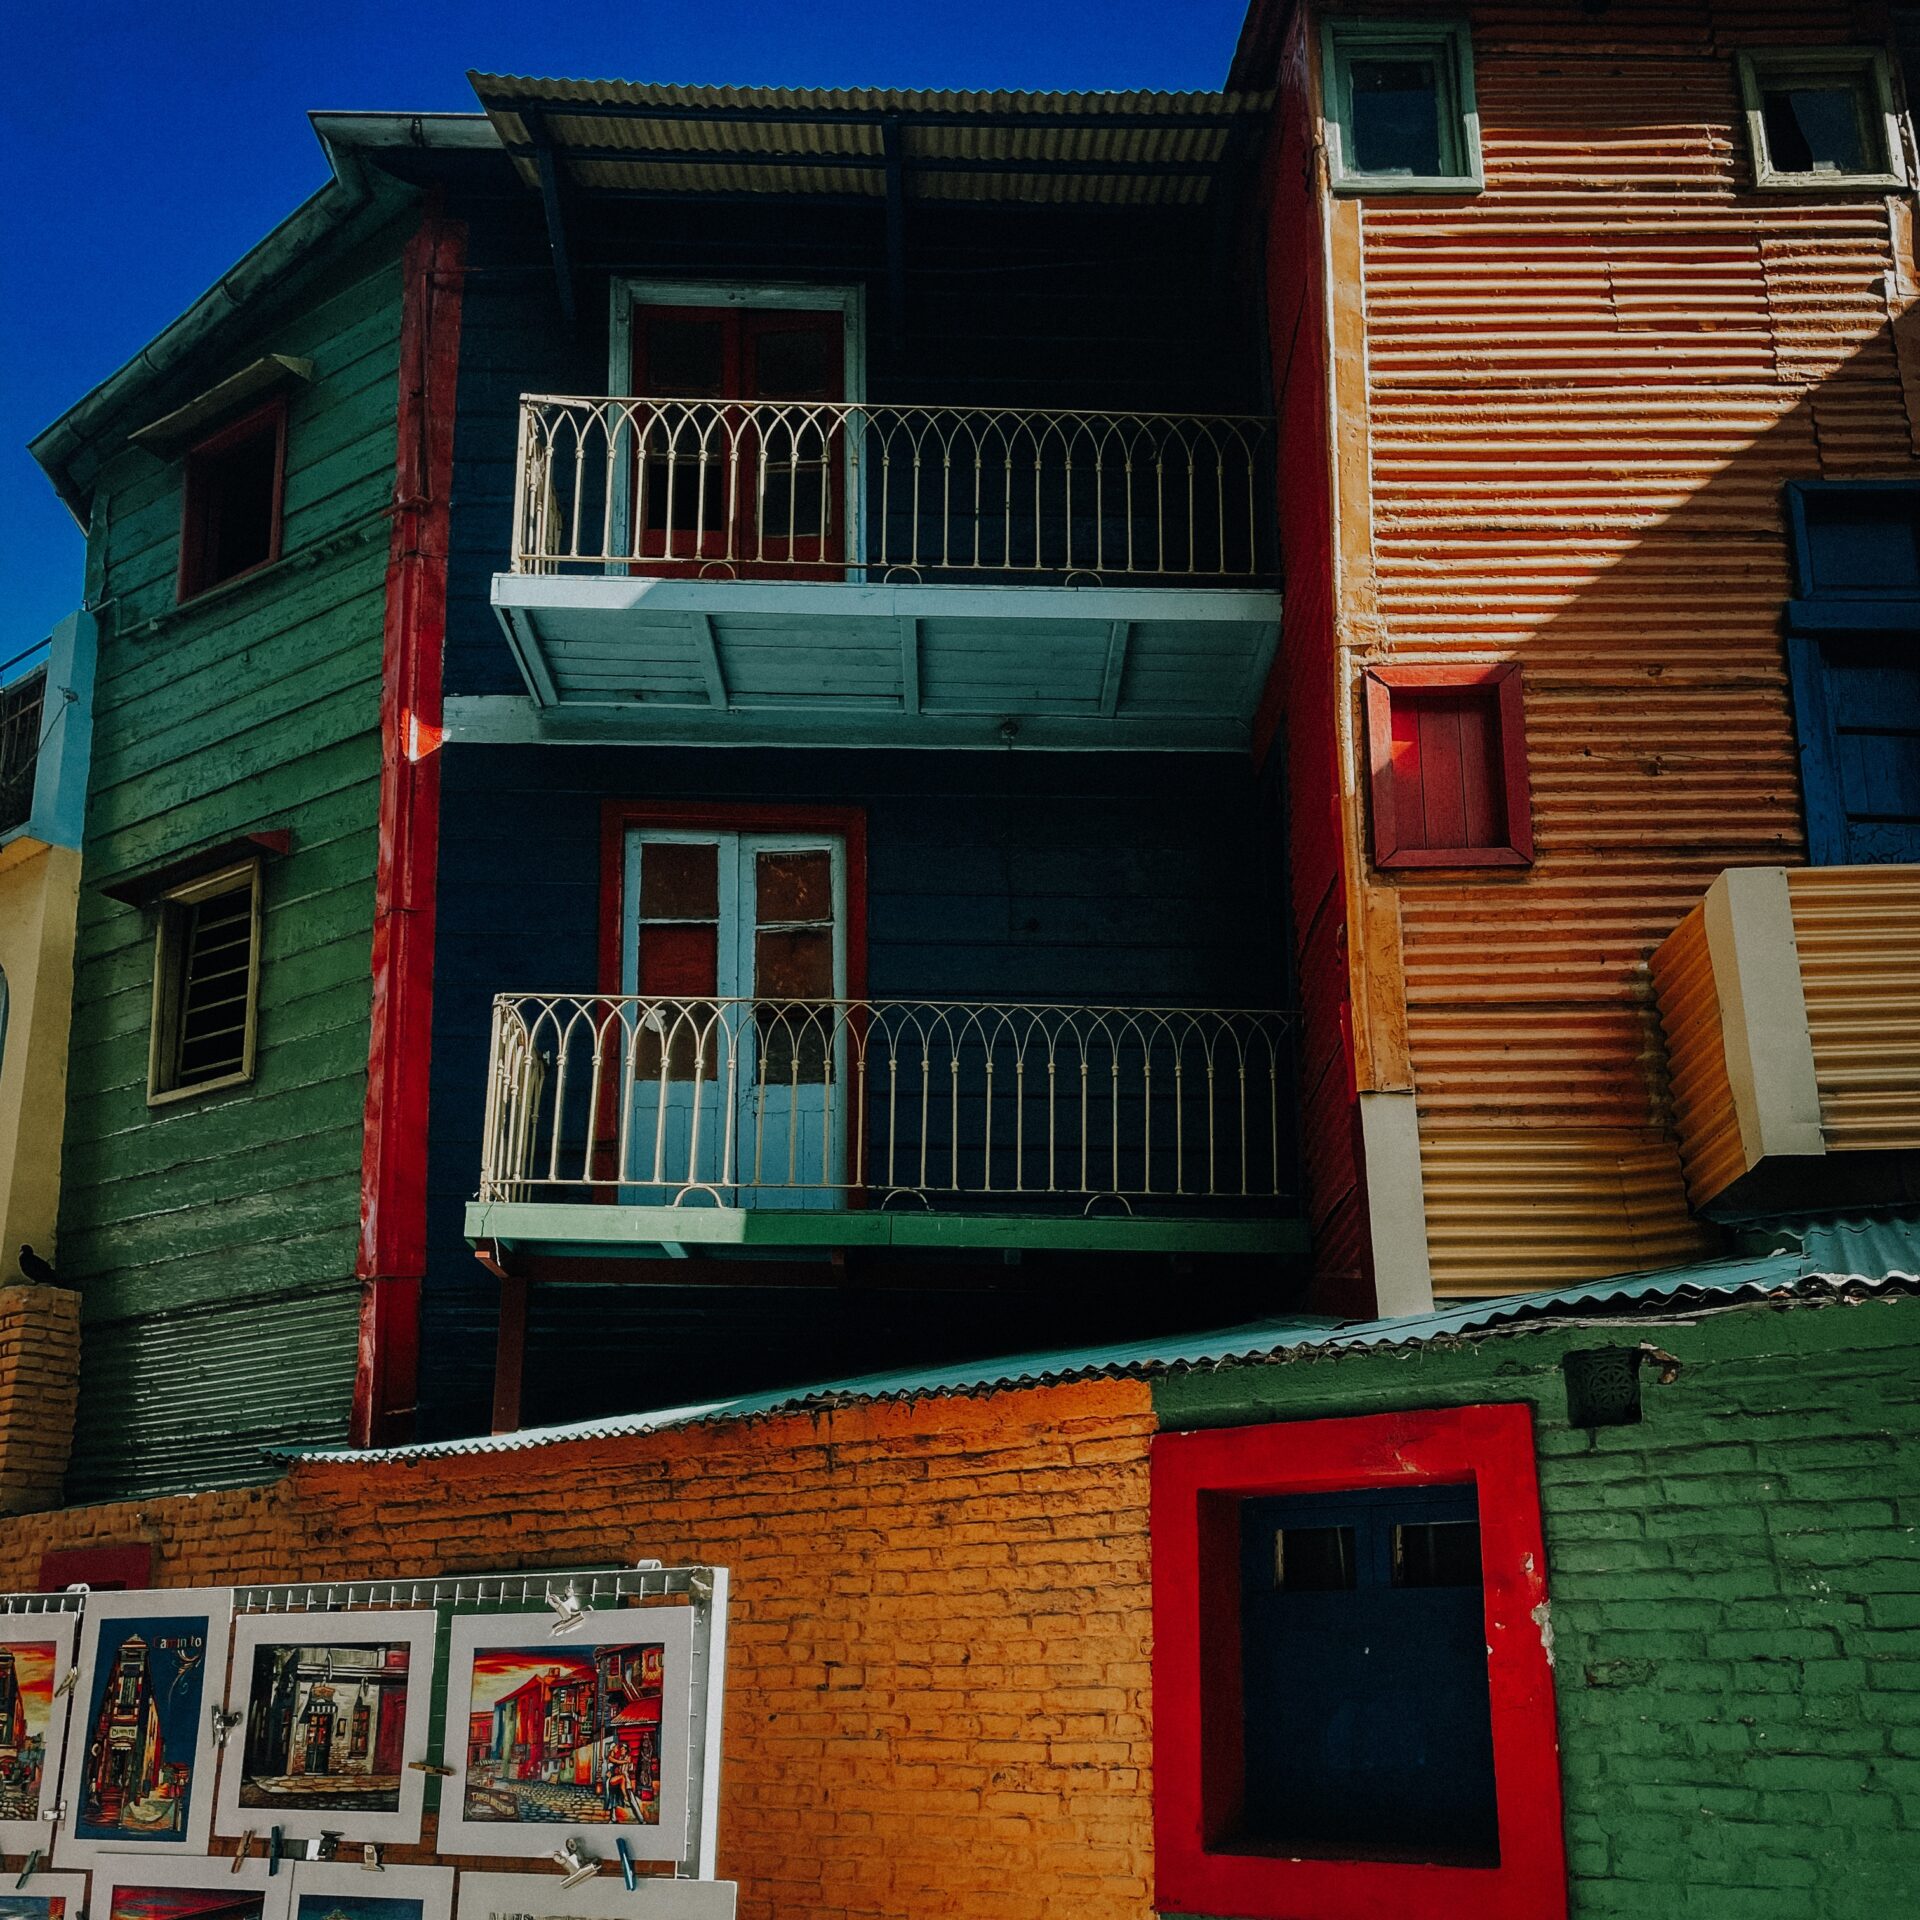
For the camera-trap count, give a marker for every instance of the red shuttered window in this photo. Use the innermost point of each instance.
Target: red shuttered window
(1449, 767)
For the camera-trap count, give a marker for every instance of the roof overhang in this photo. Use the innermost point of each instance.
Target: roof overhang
(624, 139)
(831, 663)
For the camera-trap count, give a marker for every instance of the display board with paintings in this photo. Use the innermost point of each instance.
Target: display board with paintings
(579, 1743)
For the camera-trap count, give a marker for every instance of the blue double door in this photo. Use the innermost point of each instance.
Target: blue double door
(737, 1039)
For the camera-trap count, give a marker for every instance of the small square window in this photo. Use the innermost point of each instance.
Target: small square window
(230, 516)
(1449, 776)
(1353, 1691)
(1400, 111)
(206, 984)
(1820, 117)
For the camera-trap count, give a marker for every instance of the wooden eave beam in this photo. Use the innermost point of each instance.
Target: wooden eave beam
(553, 202)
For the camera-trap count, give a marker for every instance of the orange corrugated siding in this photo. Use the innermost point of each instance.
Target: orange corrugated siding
(1585, 388)
(1711, 1149)
(1858, 932)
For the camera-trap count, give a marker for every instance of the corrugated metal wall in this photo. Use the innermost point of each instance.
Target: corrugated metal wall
(1858, 932)
(1585, 388)
(1711, 1148)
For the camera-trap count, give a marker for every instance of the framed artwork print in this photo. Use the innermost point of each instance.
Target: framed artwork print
(550, 1736)
(332, 1708)
(138, 1771)
(345, 1890)
(540, 1896)
(36, 1653)
(46, 1896)
(174, 1888)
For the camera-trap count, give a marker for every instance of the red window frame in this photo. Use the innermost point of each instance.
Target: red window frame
(195, 508)
(1199, 1481)
(1501, 687)
(118, 1569)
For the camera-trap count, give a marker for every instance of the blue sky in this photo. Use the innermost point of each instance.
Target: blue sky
(151, 144)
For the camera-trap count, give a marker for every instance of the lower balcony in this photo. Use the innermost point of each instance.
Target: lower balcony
(763, 1128)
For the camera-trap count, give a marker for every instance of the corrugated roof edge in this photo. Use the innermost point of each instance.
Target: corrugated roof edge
(1782, 1277)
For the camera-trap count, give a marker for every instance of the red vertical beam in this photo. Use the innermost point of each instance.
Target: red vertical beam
(393, 1172)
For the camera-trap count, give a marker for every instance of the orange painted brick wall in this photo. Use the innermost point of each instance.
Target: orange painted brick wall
(937, 1682)
(39, 1387)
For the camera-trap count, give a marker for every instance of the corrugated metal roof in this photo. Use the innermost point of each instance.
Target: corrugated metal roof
(1837, 1254)
(623, 138)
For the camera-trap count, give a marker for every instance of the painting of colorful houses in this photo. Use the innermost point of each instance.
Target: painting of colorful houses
(27, 1677)
(211, 1902)
(565, 1736)
(142, 1725)
(326, 1727)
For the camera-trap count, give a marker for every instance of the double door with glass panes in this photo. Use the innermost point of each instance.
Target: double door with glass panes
(735, 1070)
(741, 459)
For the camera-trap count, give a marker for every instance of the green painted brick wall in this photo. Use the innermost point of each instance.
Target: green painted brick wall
(1736, 1596)
(214, 1239)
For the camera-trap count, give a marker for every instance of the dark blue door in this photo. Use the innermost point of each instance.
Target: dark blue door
(1367, 1729)
(1857, 703)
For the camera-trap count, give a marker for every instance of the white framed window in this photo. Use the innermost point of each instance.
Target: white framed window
(1820, 118)
(725, 296)
(1399, 106)
(206, 984)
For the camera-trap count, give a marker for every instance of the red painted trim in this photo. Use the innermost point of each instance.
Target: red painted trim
(106, 1569)
(188, 583)
(393, 1180)
(1504, 690)
(1198, 1481)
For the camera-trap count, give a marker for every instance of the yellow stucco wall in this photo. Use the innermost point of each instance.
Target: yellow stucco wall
(39, 898)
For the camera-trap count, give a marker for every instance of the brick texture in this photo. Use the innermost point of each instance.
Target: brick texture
(1735, 1589)
(39, 1387)
(938, 1666)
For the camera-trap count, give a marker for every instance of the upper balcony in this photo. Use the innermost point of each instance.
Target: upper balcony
(21, 708)
(828, 572)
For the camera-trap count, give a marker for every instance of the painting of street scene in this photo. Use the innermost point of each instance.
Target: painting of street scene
(27, 1680)
(326, 1727)
(567, 1737)
(142, 1726)
(355, 1906)
(211, 1902)
(33, 1906)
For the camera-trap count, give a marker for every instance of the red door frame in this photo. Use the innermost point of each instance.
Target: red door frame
(1199, 1481)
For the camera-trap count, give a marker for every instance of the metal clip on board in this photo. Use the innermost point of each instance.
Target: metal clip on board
(27, 1872)
(574, 1865)
(370, 1858)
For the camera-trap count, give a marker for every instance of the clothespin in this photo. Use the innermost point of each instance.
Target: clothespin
(240, 1853)
(275, 1843)
(33, 1866)
(429, 1766)
(370, 1858)
(626, 1860)
(573, 1864)
(67, 1684)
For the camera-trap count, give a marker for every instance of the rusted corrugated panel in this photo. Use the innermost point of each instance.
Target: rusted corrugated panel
(1858, 931)
(1509, 1208)
(1711, 1149)
(1586, 387)
(1015, 143)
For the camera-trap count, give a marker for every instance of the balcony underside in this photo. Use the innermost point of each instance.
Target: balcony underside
(561, 1228)
(832, 663)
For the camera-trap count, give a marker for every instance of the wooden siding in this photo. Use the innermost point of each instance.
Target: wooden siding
(1077, 877)
(1858, 933)
(1585, 387)
(1712, 1153)
(214, 1239)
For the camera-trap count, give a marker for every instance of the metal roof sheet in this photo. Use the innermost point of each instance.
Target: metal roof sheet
(623, 137)
(1787, 1273)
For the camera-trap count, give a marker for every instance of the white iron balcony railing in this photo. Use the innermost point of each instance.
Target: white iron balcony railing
(22, 716)
(784, 488)
(800, 1103)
